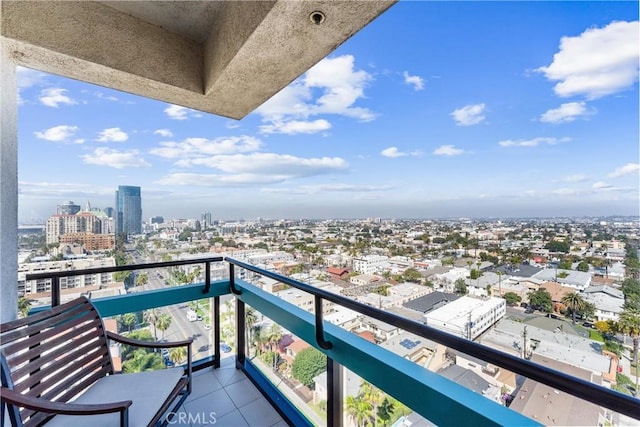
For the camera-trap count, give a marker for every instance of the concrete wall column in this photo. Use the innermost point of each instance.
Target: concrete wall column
(8, 186)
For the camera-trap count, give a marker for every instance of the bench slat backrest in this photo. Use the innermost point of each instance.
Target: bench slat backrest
(55, 354)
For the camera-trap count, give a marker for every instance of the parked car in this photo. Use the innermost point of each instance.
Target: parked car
(225, 348)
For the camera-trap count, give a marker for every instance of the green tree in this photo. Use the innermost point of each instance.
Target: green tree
(541, 300)
(143, 361)
(556, 246)
(629, 323)
(385, 410)
(250, 319)
(461, 287)
(412, 275)
(475, 274)
(512, 298)
(142, 279)
(575, 303)
(24, 305)
(128, 320)
(359, 410)
(123, 276)
(126, 351)
(565, 264)
(177, 354)
(163, 322)
(583, 266)
(308, 364)
(151, 317)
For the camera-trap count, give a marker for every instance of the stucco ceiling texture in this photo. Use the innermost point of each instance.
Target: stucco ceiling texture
(221, 57)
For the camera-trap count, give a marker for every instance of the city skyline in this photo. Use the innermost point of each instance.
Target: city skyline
(497, 109)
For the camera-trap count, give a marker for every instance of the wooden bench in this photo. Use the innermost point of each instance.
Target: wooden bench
(56, 369)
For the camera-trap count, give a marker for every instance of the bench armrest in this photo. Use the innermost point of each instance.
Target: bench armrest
(12, 397)
(152, 344)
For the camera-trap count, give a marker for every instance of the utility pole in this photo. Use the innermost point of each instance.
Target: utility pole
(469, 326)
(524, 345)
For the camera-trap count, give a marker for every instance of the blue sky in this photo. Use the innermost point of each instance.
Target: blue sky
(436, 109)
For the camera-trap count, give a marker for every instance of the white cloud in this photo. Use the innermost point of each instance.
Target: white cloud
(201, 147)
(598, 62)
(113, 135)
(601, 185)
(69, 191)
(566, 192)
(57, 133)
(469, 114)
(392, 152)
(296, 126)
(339, 85)
(103, 156)
(575, 178)
(271, 164)
(177, 112)
(448, 150)
(216, 180)
(532, 142)
(165, 133)
(320, 188)
(26, 77)
(53, 97)
(567, 113)
(416, 81)
(628, 169)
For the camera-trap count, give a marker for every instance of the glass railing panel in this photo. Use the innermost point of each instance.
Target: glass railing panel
(365, 404)
(292, 365)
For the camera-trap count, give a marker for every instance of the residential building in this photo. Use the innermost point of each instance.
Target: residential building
(609, 302)
(467, 317)
(370, 264)
(28, 287)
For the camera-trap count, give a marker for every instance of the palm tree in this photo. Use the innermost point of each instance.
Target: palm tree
(24, 305)
(359, 410)
(151, 317)
(250, 319)
(371, 394)
(141, 280)
(177, 354)
(163, 322)
(128, 320)
(629, 323)
(574, 302)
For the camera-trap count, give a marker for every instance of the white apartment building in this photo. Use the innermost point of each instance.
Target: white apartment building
(370, 264)
(44, 285)
(467, 317)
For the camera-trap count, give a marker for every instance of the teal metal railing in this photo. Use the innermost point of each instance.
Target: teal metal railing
(434, 397)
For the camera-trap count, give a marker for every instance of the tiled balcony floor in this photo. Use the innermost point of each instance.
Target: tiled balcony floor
(226, 397)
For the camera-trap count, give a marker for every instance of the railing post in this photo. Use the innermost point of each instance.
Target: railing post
(216, 332)
(334, 393)
(55, 291)
(240, 326)
(207, 278)
(232, 280)
(326, 345)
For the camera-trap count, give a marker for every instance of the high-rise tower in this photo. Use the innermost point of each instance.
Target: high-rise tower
(128, 215)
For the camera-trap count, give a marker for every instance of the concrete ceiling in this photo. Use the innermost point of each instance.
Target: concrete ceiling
(221, 57)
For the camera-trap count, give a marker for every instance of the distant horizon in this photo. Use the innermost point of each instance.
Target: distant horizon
(434, 110)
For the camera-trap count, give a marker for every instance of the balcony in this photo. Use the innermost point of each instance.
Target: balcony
(240, 387)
